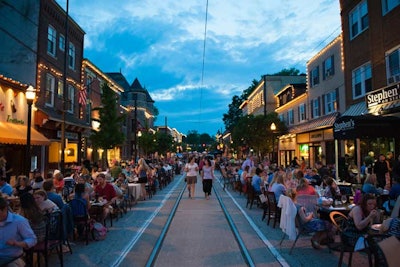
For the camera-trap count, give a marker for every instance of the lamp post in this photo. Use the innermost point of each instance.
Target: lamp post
(30, 95)
(273, 129)
(139, 134)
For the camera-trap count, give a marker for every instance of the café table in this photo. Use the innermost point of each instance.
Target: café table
(134, 190)
(324, 210)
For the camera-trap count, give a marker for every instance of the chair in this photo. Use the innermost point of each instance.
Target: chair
(379, 259)
(81, 218)
(251, 196)
(53, 239)
(339, 220)
(291, 223)
(273, 210)
(309, 202)
(96, 212)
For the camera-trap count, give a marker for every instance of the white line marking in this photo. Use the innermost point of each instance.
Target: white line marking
(146, 224)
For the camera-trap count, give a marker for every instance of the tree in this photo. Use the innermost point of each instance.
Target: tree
(288, 72)
(109, 134)
(163, 142)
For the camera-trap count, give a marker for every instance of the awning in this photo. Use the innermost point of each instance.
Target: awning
(316, 124)
(11, 133)
(356, 109)
(366, 126)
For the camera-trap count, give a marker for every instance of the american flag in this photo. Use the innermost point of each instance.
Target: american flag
(82, 96)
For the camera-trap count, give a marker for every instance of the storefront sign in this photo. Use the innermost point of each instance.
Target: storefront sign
(382, 96)
(16, 121)
(316, 136)
(344, 125)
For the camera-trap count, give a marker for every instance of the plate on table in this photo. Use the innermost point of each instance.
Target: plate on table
(376, 227)
(337, 208)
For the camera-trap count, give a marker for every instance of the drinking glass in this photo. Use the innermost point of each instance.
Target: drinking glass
(344, 199)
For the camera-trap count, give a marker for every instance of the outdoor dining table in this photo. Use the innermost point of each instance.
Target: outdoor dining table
(134, 190)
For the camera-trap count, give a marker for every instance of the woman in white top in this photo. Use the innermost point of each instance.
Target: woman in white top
(191, 169)
(207, 175)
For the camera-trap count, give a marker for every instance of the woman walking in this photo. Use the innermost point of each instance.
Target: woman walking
(141, 171)
(207, 175)
(191, 169)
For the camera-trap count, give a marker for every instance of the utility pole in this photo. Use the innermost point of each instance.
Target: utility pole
(64, 100)
(135, 128)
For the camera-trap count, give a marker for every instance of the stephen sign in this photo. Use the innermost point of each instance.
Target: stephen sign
(384, 95)
(344, 125)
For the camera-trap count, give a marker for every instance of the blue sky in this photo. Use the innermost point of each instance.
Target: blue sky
(161, 43)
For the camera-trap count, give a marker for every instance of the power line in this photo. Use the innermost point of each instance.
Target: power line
(204, 56)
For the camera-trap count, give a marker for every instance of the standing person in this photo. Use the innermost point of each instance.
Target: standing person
(381, 167)
(191, 169)
(303, 164)
(207, 175)
(141, 170)
(16, 235)
(248, 162)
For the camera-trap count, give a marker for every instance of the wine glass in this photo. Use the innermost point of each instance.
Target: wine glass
(344, 199)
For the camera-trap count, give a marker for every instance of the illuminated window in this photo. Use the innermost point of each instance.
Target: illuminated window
(49, 94)
(388, 5)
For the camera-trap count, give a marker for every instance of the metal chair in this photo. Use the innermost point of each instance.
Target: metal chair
(81, 218)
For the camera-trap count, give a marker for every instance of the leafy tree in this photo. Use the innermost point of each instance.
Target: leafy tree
(109, 134)
(163, 142)
(288, 72)
(147, 143)
(254, 132)
(193, 138)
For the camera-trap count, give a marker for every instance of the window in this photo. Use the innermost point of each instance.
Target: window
(388, 5)
(71, 56)
(51, 40)
(61, 42)
(60, 89)
(316, 108)
(361, 78)
(290, 117)
(358, 19)
(393, 66)
(330, 102)
(88, 112)
(314, 76)
(281, 117)
(49, 94)
(70, 99)
(302, 112)
(328, 69)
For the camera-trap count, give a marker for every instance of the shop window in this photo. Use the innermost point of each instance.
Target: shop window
(388, 5)
(362, 81)
(393, 66)
(49, 94)
(358, 19)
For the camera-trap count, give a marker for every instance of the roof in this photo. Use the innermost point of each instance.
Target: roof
(120, 79)
(356, 109)
(315, 124)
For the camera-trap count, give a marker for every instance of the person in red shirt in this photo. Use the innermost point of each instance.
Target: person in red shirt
(104, 189)
(304, 188)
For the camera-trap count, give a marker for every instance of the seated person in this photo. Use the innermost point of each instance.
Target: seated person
(394, 192)
(315, 178)
(391, 226)
(304, 188)
(332, 190)
(277, 186)
(369, 186)
(257, 182)
(5, 187)
(322, 228)
(16, 235)
(56, 198)
(31, 211)
(22, 186)
(45, 205)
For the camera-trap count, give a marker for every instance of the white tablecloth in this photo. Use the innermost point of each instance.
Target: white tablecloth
(134, 190)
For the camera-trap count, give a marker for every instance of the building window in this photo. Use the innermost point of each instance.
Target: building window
(316, 108)
(60, 89)
(51, 40)
(290, 117)
(281, 117)
(330, 102)
(49, 95)
(393, 66)
(362, 83)
(314, 76)
(88, 112)
(388, 5)
(328, 67)
(70, 99)
(61, 42)
(71, 56)
(358, 19)
(302, 112)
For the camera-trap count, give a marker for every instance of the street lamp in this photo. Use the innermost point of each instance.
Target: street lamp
(30, 95)
(139, 134)
(273, 129)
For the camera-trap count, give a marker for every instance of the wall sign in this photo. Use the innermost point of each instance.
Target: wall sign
(382, 96)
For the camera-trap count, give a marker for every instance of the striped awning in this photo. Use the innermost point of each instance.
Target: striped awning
(315, 124)
(356, 109)
(11, 133)
(384, 108)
